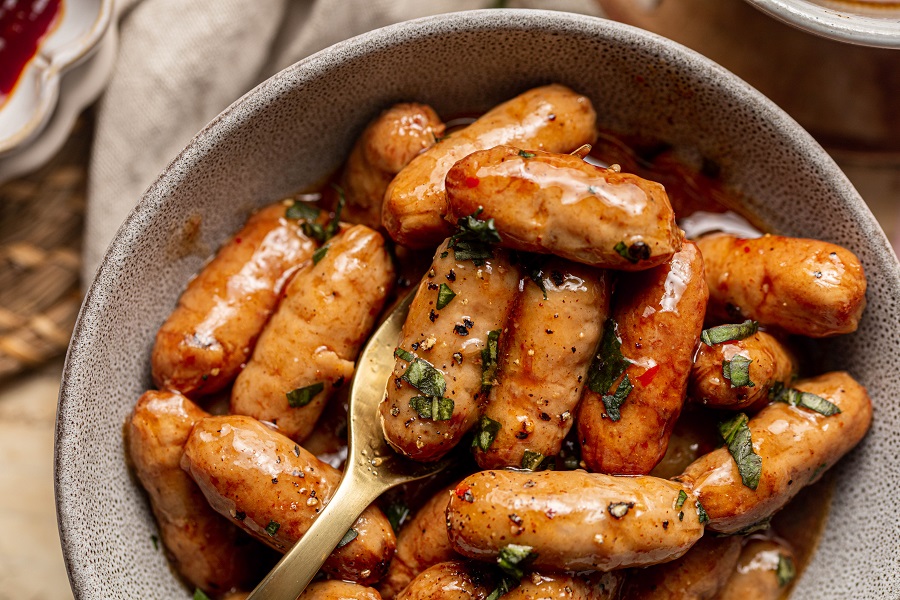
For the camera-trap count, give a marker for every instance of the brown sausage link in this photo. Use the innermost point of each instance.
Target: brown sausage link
(331, 589)
(551, 118)
(573, 520)
(659, 318)
(698, 575)
(544, 365)
(274, 489)
(557, 586)
(451, 580)
(209, 336)
(205, 548)
(422, 543)
(315, 335)
(386, 145)
(807, 287)
(795, 444)
(756, 576)
(770, 363)
(559, 204)
(452, 340)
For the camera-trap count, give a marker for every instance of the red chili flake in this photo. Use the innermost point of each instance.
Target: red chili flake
(465, 493)
(648, 375)
(472, 182)
(237, 240)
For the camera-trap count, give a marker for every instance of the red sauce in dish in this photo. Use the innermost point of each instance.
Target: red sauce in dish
(23, 26)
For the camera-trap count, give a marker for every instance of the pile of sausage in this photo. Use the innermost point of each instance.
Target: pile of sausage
(561, 328)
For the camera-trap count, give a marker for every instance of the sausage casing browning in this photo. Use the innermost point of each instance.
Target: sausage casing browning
(422, 543)
(544, 363)
(209, 336)
(274, 489)
(312, 340)
(698, 575)
(770, 363)
(551, 118)
(573, 520)
(795, 444)
(331, 589)
(803, 286)
(557, 586)
(206, 549)
(658, 316)
(451, 339)
(757, 576)
(386, 145)
(451, 580)
(559, 204)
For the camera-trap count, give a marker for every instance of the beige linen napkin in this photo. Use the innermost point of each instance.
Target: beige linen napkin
(181, 62)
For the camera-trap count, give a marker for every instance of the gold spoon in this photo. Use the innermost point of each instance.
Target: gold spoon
(372, 468)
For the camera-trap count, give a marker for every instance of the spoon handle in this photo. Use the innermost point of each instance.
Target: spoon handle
(301, 563)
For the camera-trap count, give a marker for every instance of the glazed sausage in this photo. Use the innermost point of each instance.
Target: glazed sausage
(386, 145)
(422, 543)
(274, 489)
(698, 575)
(209, 336)
(559, 204)
(205, 548)
(764, 569)
(770, 363)
(451, 339)
(451, 580)
(551, 118)
(544, 364)
(558, 586)
(658, 317)
(331, 589)
(795, 444)
(807, 287)
(573, 520)
(309, 346)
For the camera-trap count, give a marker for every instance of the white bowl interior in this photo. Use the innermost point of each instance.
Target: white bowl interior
(297, 127)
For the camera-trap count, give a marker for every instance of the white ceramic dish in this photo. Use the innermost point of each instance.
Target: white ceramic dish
(297, 127)
(34, 98)
(868, 23)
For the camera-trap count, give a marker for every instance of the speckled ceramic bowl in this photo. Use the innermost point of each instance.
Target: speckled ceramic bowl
(294, 129)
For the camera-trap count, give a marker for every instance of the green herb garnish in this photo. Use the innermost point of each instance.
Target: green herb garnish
(155, 541)
(437, 409)
(609, 363)
(334, 225)
(445, 295)
(397, 513)
(785, 570)
(682, 496)
(489, 361)
(701, 514)
(474, 239)
(404, 355)
(319, 254)
(272, 528)
(302, 210)
(505, 584)
(612, 402)
(532, 460)
(513, 558)
(736, 434)
(525, 154)
(635, 252)
(728, 333)
(737, 371)
(200, 595)
(303, 396)
(808, 400)
(422, 375)
(485, 433)
(348, 537)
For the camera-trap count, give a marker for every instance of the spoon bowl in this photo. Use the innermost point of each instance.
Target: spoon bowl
(372, 467)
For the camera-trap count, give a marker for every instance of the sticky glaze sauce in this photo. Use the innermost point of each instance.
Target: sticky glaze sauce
(23, 26)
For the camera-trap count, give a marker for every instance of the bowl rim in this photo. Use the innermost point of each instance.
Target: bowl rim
(836, 24)
(47, 68)
(229, 121)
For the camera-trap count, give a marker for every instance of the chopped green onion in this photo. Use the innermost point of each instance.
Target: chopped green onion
(682, 496)
(303, 396)
(701, 514)
(525, 154)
